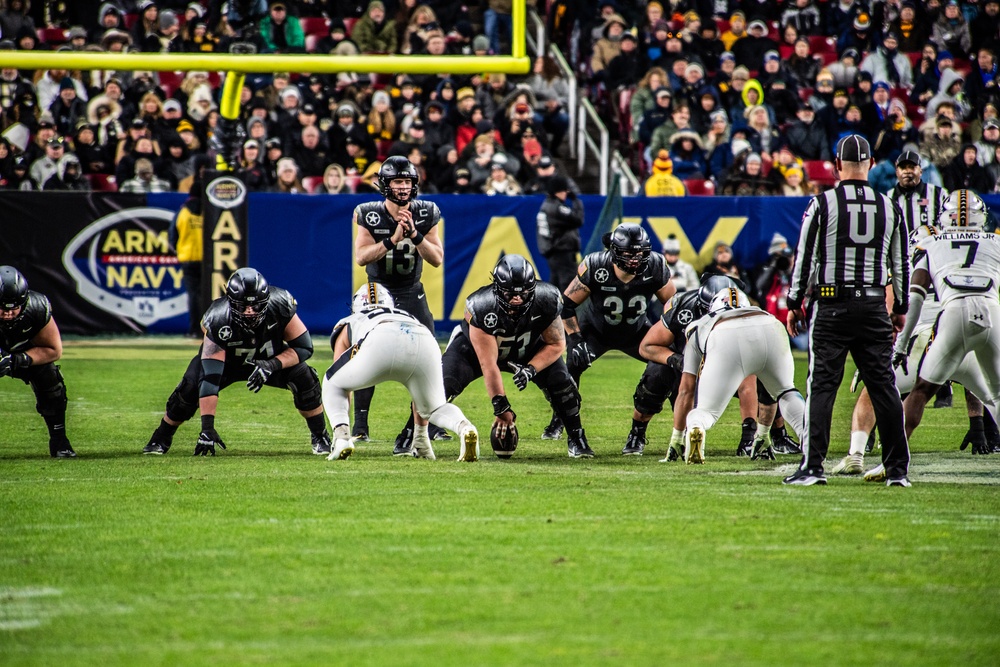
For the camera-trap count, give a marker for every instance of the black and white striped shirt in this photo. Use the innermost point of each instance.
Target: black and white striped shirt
(851, 236)
(920, 206)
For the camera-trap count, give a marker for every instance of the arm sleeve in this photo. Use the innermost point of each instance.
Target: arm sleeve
(303, 346)
(899, 253)
(805, 255)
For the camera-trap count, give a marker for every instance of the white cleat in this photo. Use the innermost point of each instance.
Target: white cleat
(852, 464)
(876, 474)
(694, 445)
(422, 448)
(342, 449)
(469, 438)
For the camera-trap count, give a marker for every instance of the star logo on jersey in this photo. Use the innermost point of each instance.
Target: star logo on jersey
(225, 333)
(601, 275)
(490, 320)
(371, 218)
(685, 317)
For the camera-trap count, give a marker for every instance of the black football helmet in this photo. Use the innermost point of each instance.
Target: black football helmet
(630, 247)
(247, 287)
(514, 276)
(13, 292)
(394, 167)
(711, 286)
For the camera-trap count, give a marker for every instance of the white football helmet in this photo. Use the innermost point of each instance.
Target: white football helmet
(727, 299)
(371, 295)
(963, 208)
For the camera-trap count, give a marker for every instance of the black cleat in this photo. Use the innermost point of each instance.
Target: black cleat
(360, 432)
(554, 431)
(61, 449)
(745, 448)
(634, 444)
(156, 447)
(782, 443)
(404, 443)
(437, 433)
(577, 446)
(805, 477)
(321, 443)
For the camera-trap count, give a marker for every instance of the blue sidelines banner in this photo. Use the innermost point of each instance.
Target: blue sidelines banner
(305, 244)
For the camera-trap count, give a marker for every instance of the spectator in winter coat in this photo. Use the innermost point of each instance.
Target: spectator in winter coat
(941, 148)
(282, 33)
(750, 50)
(145, 180)
(14, 18)
(680, 119)
(737, 30)
(951, 31)
(67, 108)
(895, 132)
(643, 98)
(912, 32)
(804, 15)
(68, 177)
(373, 33)
(887, 64)
(987, 144)
(845, 70)
(663, 183)
(746, 178)
(859, 37)
(965, 172)
(806, 137)
(927, 77)
(607, 47)
(687, 155)
(983, 29)
(628, 67)
(950, 90)
(982, 81)
(655, 117)
(718, 131)
(802, 64)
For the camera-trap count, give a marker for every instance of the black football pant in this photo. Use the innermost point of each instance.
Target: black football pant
(50, 395)
(413, 300)
(862, 327)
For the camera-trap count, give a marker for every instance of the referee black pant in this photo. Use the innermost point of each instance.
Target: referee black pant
(859, 325)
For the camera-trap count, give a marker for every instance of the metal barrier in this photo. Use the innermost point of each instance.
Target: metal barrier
(537, 44)
(584, 141)
(627, 180)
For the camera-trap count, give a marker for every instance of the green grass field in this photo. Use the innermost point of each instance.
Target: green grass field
(267, 555)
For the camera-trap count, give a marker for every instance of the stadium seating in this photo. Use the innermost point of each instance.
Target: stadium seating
(312, 183)
(53, 36)
(699, 187)
(821, 172)
(102, 182)
(315, 26)
(349, 25)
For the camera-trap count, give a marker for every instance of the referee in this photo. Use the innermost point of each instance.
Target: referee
(921, 203)
(852, 242)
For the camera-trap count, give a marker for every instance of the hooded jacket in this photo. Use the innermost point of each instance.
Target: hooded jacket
(948, 78)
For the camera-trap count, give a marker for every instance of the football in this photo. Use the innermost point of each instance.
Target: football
(503, 447)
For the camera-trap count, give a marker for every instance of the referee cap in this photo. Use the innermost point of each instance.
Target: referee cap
(908, 157)
(854, 148)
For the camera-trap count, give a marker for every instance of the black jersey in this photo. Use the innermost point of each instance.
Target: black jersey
(616, 306)
(16, 336)
(243, 346)
(519, 339)
(401, 266)
(680, 311)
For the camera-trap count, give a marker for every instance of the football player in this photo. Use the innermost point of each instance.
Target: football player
(514, 325)
(618, 282)
(734, 341)
(962, 261)
(377, 343)
(30, 345)
(395, 237)
(664, 344)
(252, 335)
(863, 419)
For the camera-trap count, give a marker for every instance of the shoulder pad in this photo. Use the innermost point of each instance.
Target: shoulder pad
(38, 309)
(548, 300)
(283, 303)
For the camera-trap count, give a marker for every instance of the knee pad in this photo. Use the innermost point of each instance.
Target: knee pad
(183, 402)
(50, 391)
(561, 390)
(303, 380)
(655, 386)
(763, 397)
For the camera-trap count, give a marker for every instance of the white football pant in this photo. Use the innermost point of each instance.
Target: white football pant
(402, 352)
(743, 346)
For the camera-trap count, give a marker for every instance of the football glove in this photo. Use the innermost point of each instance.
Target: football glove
(580, 354)
(207, 441)
(676, 362)
(13, 362)
(899, 360)
(977, 439)
(522, 374)
(264, 369)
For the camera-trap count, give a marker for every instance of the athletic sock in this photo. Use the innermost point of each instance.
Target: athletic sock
(572, 423)
(639, 427)
(56, 425)
(419, 432)
(859, 439)
(316, 423)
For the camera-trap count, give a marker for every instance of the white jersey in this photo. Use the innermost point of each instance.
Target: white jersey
(726, 305)
(360, 324)
(962, 262)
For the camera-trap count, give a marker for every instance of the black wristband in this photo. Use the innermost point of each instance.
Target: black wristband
(207, 422)
(389, 245)
(501, 405)
(418, 238)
